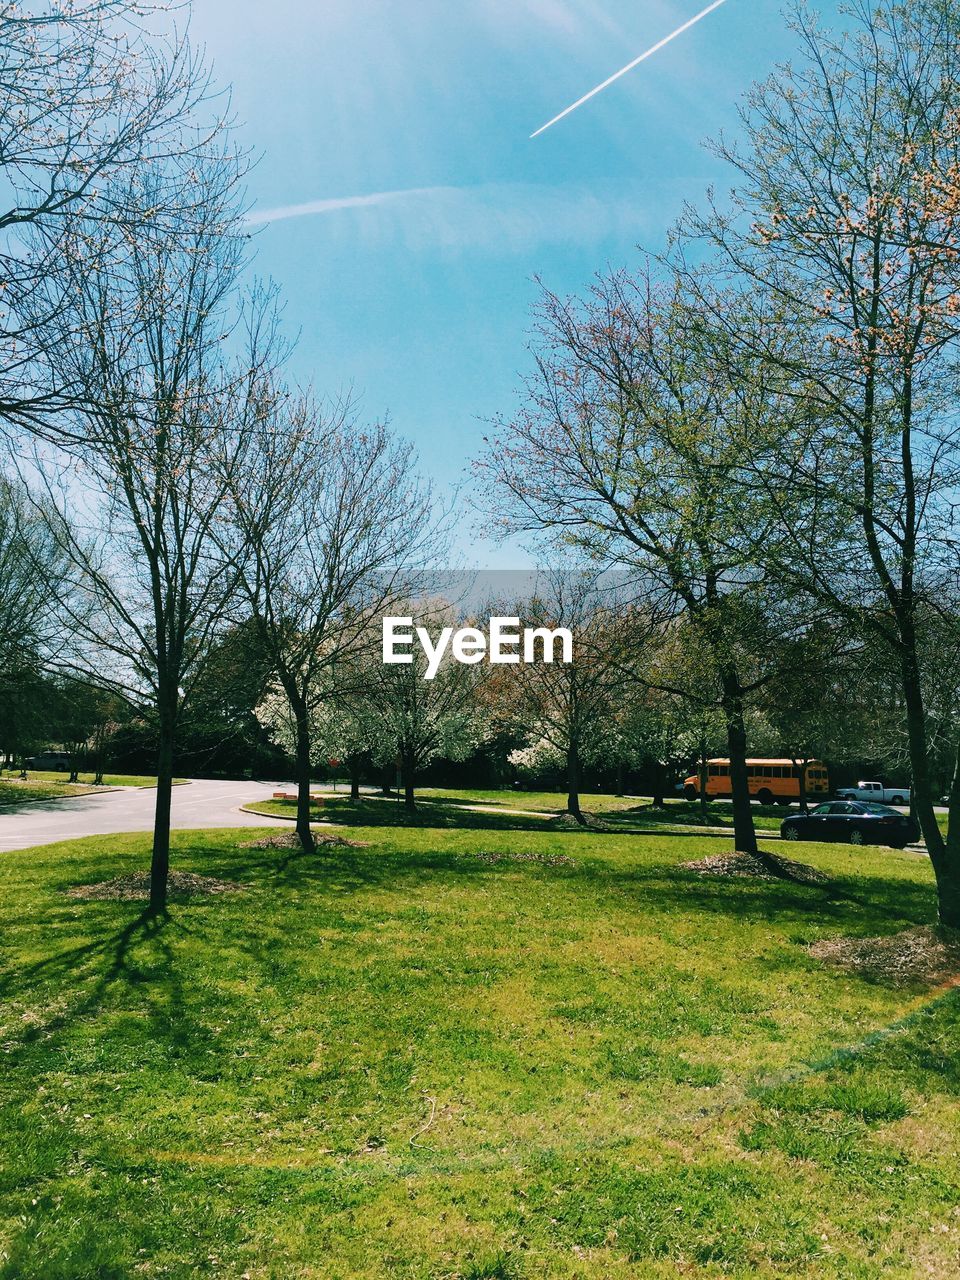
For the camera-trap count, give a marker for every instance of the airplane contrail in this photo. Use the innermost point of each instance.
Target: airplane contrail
(630, 65)
(258, 217)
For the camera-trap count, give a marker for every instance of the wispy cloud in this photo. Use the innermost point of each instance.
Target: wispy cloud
(258, 217)
(506, 218)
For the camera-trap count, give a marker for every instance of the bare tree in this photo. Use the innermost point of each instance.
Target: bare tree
(29, 562)
(92, 93)
(134, 491)
(31, 576)
(335, 520)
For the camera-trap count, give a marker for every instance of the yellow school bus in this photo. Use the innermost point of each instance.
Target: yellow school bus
(770, 780)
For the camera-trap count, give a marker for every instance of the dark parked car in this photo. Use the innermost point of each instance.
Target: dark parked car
(53, 761)
(853, 822)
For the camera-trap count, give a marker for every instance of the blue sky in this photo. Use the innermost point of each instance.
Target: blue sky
(407, 124)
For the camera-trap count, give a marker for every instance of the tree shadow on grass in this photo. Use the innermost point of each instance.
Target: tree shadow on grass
(862, 905)
(449, 815)
(137, 957)
(879, 904)
(429, 815)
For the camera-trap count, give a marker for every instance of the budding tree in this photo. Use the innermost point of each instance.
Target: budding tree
(343, 724)
(328, 520)
(628, 445)
(847, 216)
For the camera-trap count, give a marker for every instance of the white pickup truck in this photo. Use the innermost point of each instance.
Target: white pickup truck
(874, 791)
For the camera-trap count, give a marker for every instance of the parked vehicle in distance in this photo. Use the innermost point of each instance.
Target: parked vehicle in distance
(853, 822)
(874, 791)
(770, 780)
(49, 760)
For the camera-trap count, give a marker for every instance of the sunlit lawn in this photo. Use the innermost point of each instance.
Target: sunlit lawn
(446, 807)
(13, 791)
(629, 810)
(46, 785)
(109, 779)
(545, 801)
(412, 1060)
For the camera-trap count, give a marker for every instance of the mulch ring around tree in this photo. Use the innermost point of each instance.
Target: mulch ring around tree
(922, 955)
(136, 887)
(762, 866)
(289, 840)
(567, 822)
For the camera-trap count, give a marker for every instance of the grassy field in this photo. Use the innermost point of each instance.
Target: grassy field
(45, 785)
(625, 813)
(13, 791)
(501, 1051)
(446, 806)
(109, 779)
(544, 801)
(628, 811)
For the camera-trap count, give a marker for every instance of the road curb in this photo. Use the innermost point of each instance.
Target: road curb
(79, 795)
(282, 817)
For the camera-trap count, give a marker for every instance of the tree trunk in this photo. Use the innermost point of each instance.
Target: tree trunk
(354, 766)
(702, 779)
(944, 854)
(744, 833)
(619, 790)
(946, 862)
(160, 860)
(659, 786)
(304, 833)
(802, 785)
(573, 784)
(921, 785)
(408, 773)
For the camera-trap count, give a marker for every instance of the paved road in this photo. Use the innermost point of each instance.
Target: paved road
(198, 804)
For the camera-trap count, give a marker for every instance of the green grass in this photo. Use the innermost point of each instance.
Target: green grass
(46, 785)
(630, 810)
(13, 791)
(626, 811)
(542, 801)
(629, 813)
(688, 813)
(411, 1062)
(109, 779)
(377, 812)
(451, 808)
